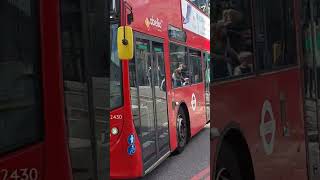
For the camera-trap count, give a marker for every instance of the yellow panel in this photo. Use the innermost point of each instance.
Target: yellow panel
(125, 51)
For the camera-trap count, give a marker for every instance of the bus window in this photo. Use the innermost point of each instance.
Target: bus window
(116, 98)
(134, 94)
(307, 49)
(195, 66)
(179, 65)
(207, 68)
(316, 22)
(232, 50)
(204, 5)
(20, 89)
(278, 33)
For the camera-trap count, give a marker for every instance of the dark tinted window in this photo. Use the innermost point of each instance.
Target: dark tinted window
(275, 34)
(232, 39)
(316, 19)
(206, 57)
(116, 98)
(195, 66)
(307, 49)
(177, 34)
(20, 90)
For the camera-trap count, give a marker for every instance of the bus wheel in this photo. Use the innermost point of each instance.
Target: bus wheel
(228, 164)
(182, 129)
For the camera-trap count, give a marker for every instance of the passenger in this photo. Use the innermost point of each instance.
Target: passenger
(224, 56)
(235, 27)
(184, 71)
(180, 75)
(246, 64)
(177, 76)
(163, 86)
(196, 78)
(149, 74)
(186, 81)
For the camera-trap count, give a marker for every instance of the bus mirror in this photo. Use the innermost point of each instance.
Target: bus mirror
(130, 18)
(125, 43)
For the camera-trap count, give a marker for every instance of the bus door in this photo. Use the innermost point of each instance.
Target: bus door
(84, 70)
(149, 99)
(311, 62)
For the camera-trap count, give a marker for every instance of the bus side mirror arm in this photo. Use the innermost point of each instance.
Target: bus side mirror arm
(130, 18)
(130, 15)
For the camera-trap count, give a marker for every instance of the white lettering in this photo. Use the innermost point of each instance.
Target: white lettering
(33, 174)
(20, 174)
(5, 174)
(15, 175)
(24, 175)
(156, 22)
(117, 116)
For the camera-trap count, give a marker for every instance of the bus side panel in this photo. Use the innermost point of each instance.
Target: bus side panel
(242, 102)
(292, 126)
(170, 94)
(145, 10)
(23, 164)
(123, 165)
(57, 158)
(197, 112)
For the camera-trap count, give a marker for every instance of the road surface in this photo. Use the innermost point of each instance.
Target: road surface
(192, 164)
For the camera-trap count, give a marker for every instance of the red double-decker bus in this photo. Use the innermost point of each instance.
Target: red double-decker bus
(53, 100)
(158, 96)
(265, 76)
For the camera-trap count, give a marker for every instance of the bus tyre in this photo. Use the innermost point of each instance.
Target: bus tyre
(227, 164)
(182, 129)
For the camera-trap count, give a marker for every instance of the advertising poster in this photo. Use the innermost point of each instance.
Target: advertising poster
(194, 20)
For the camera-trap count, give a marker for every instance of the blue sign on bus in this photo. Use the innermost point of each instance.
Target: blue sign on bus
(131, 149)
(131, 139)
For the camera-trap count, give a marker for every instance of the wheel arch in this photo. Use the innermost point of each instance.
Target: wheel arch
(233, 134)
(184, 107)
